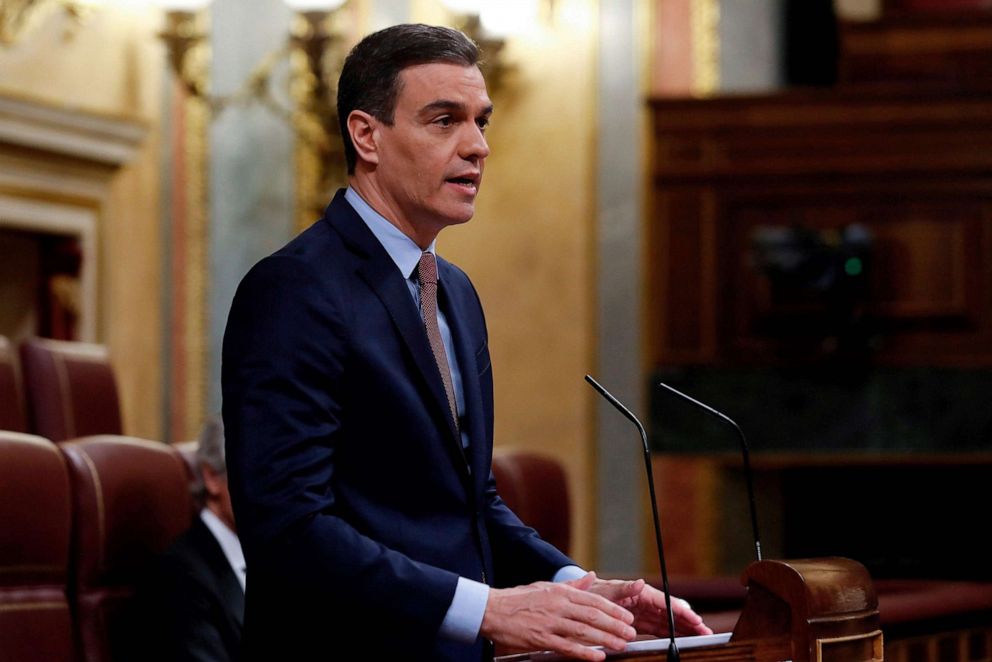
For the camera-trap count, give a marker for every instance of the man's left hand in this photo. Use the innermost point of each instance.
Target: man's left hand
(648, 606)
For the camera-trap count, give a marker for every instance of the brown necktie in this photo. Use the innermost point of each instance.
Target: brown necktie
(427, 274)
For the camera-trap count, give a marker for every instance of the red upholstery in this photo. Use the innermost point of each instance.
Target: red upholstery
(12, 416)
(35, 622)
(131, 499)
(71, 389)
(536, 489)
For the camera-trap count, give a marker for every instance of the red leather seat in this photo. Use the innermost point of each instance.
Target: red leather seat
(71, 389)
(12, 415)
(536, 489)
(35, 622)
(131, 500)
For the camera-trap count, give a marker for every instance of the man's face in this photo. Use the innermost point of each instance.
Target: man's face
(431, 158)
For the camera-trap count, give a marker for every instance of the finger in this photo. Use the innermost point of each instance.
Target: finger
(589, 636)
(683, 608)
(591, 625)
(587, 599)
(650, 596)
(618, 591)
(572, 649)
(687, 619)
(697, 628)
(652, 624)
(582, 583)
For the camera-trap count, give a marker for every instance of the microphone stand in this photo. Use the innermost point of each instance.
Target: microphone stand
(673, 649)
(744, 452)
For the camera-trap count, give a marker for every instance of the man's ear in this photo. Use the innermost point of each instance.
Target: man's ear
(212, 480)
(363, 129)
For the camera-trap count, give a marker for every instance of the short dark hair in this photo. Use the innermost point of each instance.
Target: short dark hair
(370, 77)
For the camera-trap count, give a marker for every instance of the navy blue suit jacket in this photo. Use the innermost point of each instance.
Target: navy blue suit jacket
(356, 506)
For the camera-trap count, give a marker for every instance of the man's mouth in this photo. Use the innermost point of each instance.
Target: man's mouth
(467, 181)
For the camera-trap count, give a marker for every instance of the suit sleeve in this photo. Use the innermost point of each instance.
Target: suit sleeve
(520, 555)
(285, 365)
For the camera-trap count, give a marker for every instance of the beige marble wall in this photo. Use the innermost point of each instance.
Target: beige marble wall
(529, 249)
(112, 65)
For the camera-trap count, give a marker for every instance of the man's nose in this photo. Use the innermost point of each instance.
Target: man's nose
(475, 146)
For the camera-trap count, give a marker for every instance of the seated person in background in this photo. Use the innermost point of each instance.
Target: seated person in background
(196, 594)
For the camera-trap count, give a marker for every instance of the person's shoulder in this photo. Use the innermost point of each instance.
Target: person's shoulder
(315, 250)
(190, 548)
(311, 259)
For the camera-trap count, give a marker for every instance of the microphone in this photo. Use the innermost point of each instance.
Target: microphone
(673, 649)
(744, 453)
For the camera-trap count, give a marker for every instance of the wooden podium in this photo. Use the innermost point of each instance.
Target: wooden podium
(810, 610)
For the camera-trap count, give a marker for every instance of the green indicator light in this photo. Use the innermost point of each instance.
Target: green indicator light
(853, 266)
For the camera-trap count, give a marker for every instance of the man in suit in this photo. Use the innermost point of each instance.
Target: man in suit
(358, 403)
(197, 592)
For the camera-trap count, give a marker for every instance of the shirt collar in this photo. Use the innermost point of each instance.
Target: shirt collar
(403, 251)
(229, 543)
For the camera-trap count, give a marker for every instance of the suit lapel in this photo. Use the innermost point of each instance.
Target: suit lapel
(464, 341)
(228, 587)
(380, 273)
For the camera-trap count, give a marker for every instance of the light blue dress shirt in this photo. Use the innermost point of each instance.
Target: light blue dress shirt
(464, 616)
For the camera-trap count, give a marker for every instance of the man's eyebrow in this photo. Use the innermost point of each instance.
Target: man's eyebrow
(451, 106)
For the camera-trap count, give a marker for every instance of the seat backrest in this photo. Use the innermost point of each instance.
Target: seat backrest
(71, 389)
(12, 413)
(536, 489)
(35, 621)
(130, 501)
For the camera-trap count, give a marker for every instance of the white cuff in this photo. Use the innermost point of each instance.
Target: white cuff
(464, 617)
(568, 573)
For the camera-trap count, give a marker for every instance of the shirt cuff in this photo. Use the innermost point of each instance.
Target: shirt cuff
(568, 573)
(464, 617)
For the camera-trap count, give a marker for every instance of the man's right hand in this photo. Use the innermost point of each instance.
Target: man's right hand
(562, 617)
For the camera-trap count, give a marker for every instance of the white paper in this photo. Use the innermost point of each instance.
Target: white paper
(646, 645)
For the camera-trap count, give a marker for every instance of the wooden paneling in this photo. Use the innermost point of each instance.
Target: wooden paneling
(868, 507)
(942, 42)
(914, 170)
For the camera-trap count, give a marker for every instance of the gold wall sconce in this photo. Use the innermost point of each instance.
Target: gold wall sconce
(490, 23)
(467, 17)
(17, 15)
(314, 49)
(316, 53)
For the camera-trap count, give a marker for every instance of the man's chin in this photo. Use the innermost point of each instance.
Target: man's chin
(459, 216)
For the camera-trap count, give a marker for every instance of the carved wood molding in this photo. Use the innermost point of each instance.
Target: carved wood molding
(55, 164)
(909, 167)
(100, 138)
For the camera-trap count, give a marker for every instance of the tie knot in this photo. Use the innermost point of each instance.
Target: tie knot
(427, 268)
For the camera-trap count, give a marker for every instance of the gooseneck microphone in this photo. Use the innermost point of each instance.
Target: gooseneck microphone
(673, 649)
(744, 453)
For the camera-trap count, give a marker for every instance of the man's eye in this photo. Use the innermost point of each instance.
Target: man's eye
(444, 121)
(483, 124)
